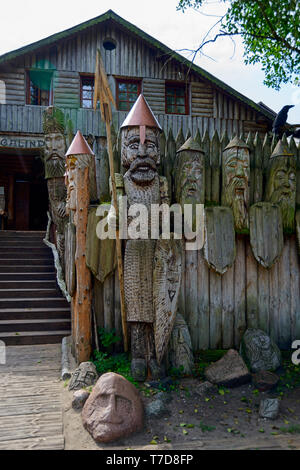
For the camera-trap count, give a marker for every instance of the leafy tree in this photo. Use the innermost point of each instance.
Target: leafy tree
(270, 33)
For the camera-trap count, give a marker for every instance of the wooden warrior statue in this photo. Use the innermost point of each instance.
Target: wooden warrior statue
(147, 262)
(54, 160)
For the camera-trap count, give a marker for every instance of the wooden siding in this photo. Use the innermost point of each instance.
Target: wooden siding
(154, 92)
(202, 98)
(66, 89)
(14, 86)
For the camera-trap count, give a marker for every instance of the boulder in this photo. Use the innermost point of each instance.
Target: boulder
(269, 408)
(229, 371)
(79, 399)
(180, 347)
(259, 351)
(264, 380)
(113, 410)
(84, 376)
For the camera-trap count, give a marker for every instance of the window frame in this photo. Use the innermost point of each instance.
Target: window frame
(28, 94)
(135, 81)
(88, 76)
(182, 85)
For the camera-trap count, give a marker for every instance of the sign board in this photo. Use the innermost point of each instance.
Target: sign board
(21, 142)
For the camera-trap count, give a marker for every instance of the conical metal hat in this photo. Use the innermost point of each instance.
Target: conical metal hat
(281, 150)
(141, 115)
(79, 146)
(190, 145)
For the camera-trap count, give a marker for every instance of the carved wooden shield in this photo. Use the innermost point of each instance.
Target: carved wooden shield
(166, 285)
(100, 254)
(70, 248)
(266, 233)
(219, 246)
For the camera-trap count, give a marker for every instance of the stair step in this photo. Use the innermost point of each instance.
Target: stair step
(26, 262)
(16, 326)
(21, 276)
(34, 313)
(33, 302)
(27, 269)
(15, 234)
(26, 254)
(47, 284)
(34, 337)
(29, 293)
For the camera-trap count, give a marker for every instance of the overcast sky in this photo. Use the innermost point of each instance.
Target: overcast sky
(23, 22)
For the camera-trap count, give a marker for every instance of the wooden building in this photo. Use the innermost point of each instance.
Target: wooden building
(59, 70)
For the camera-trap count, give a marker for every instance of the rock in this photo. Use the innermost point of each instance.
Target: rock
(204, 387)
(264, 380)
(164, 383)
(79, 399)
(259, 351)
(113, 410)
(180, 347)
(164, 396)
(84, 376)
(269, 408)
(156, 409)
(229, 371)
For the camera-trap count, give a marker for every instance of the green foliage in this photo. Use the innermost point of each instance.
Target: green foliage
(205, 427)
(293, 429)
(270, 33)
(291, 377)
(106, 362)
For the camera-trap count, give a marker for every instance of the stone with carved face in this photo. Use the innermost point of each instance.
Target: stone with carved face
(54, 154)
(236, 177)
(140, 159)
(113, 410)
(281, 188)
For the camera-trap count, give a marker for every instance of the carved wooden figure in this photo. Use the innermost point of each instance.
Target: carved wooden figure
(140, 158)
(235, 182)
(281, 183)
(80, 159)
(54, 161)
(189, 175)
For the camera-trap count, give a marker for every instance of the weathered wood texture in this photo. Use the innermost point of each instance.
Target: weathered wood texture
(31, 405)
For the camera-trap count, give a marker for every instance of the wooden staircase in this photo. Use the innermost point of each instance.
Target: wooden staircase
(32, 307)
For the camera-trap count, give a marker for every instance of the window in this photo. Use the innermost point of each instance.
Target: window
(87, 83)
(39, 87)
(127, 93)
(176, 98)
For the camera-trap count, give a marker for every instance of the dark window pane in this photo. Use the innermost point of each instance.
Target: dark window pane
(180, 101)
(122, 87)
(122, 96)
(123, 106)
(180, 110)
(132, 87)
(132, 96)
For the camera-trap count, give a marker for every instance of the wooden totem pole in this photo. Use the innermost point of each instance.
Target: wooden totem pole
(81, 184)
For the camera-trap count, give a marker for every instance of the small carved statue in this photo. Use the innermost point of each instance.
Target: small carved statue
(84, 376)
(54, 159)
(235, 181)
(281, 184)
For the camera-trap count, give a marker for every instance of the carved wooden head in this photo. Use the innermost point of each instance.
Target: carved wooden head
(281, 187)
(141, 160)
(235, 179)
(190, 178)
(70, 182)
(55, 142)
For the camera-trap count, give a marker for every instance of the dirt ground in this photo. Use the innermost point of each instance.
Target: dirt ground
(222, 419)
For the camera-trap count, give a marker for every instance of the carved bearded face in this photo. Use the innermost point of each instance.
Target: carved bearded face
(236, 175)
(70, 182)
(189, 180)
(54, 152)
(281, 187)
(113, 410)
(141, 160)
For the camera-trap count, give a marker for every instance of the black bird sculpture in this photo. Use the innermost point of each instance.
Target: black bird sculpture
(280, 120)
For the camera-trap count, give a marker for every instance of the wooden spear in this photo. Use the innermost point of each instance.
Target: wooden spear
(103, 93)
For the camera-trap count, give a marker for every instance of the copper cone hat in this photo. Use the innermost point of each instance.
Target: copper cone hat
(142, 116)
(79, 146)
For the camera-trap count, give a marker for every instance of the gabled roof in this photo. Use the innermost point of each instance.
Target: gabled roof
(112, 16)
